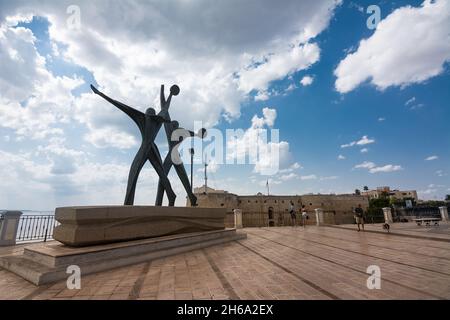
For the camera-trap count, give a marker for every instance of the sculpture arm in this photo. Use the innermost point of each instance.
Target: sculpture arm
(134, 114)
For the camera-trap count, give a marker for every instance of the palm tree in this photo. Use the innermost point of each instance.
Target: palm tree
(366, 188)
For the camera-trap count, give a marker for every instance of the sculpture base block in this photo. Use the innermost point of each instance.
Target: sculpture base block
(48, 263)
(85, 226)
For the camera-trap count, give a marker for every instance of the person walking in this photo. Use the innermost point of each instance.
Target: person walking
(359, 217)
(304, 216)
(292, 212)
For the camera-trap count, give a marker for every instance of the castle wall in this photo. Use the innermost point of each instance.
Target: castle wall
(338, 209)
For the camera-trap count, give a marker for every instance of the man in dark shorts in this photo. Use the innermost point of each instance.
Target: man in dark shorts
(359, 217)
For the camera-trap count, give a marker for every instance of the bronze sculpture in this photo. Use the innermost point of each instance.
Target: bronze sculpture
(149, 124)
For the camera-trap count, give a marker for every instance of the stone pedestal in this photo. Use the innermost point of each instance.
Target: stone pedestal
(319, 216)
(49, 263)
(84, 226)
(9, 223)
(444, 213)
(238, 218)
(388, 215)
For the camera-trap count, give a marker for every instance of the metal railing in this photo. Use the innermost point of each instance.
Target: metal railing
(36, 228)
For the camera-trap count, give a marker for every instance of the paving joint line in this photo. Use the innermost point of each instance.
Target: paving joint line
(223, 280)
(137, 287)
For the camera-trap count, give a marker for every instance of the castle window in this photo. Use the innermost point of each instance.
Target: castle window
(221, 204)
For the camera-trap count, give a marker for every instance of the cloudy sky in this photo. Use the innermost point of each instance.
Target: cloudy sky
(354, 105)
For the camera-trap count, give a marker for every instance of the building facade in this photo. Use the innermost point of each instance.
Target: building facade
(381, 192)
(261, 210)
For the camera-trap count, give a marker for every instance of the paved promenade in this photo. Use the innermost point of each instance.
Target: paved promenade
(275, 263)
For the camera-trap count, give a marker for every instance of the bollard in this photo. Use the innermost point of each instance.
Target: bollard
(387, 215)
(8, 227)
(444, 214)
(238, 218)
(319, 216)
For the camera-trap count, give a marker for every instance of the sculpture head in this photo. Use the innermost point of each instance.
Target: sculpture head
(175, 125)
(150, 112)
(174, 90)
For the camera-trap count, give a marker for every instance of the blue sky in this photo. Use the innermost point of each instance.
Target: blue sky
(388, 99)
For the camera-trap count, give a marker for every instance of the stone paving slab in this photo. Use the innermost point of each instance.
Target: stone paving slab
(272, 263)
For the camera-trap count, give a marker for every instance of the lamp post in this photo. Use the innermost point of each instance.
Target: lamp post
(191, 152)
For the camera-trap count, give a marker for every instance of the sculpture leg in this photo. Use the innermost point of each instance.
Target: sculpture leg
(135, 169)
(160, 193)
(155, 160)
(185, 181)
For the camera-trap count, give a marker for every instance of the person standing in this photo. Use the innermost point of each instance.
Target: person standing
(304, 216)
(359, 217)
(292, 212)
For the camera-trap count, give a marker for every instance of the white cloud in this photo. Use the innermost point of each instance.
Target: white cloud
(365, 165)
(381, 119)
(294, 166)
(328, 178)
(386, 168)
(440, 173)
(262, 96)
(364, 150)
(278, 66)
(289, 176)
(306, 81)
(308, 177)
(363, 141)
(271, 156)
(402, 50)
(373, 168)
(33, 102)
(431, 158)
(216, 64)
(407, 103)
(341, 157)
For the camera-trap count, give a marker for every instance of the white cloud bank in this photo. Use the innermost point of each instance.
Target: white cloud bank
(409, 46)
(361, 142)
(373, 168)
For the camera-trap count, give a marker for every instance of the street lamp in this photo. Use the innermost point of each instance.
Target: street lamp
(191, 152)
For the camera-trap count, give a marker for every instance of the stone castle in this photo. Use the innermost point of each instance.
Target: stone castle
(263, 210)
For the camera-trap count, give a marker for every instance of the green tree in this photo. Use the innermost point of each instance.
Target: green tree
(357, 192)
(447, 197)
(366, 188)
